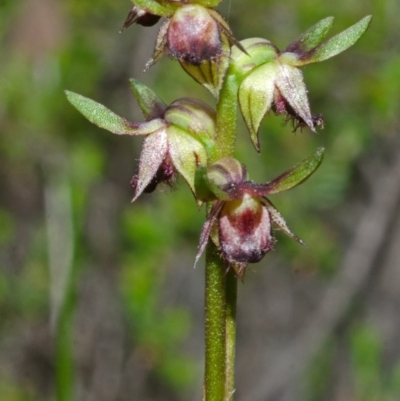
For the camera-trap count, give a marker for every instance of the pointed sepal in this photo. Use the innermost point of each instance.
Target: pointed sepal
(337, 44)
(280, 222)
(141, 17)
(312, 37)
(154, 152)
(150, 104)
(206, 231)
(100, 115)
(187, 153)
(290, 82)
(211, 73)
(295, 176)
(160, 47)
(256, 94)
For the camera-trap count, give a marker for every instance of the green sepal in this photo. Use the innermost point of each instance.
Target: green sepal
(225, 177)
(207, 3)
(197, 118)
(192, 115)
(187, 153)
(295, 175)
(160, 46)
(258, 51)
(162, 8)
(150, 104)
(312, 37)
(211, 73)
(204, 3)
(98, 114)
(335, 45)
(256, 94)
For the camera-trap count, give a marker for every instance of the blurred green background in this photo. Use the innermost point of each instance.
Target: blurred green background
(98, 297)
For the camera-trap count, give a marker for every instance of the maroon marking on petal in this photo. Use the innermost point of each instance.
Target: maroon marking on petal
(245, 231)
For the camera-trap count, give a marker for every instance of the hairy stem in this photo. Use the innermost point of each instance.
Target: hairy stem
(215, 308)
(230, 334)
(221, 287)
(227, 117)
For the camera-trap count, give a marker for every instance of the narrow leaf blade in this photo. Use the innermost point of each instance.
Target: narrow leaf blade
(150, 104)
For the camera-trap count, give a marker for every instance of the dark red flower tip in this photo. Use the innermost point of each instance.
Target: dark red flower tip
(141, 17)
(165, 174)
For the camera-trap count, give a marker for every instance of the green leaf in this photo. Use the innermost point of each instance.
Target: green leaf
(337, 44)
(98, 114)
(312, 37)
(295, 175)
(150, 104)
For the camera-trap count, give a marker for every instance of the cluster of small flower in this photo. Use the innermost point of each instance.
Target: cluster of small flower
(185, 137)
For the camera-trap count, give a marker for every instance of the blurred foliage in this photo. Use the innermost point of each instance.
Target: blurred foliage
(369, 380)
(43, 140)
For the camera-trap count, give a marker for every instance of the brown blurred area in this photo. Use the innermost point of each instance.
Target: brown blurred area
(71, 328)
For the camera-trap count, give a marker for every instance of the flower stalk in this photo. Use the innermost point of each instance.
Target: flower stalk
(221, 282)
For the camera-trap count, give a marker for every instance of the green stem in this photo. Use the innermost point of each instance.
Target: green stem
(227, 108)
(221, 287)
(230, 334)
(215, 309)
